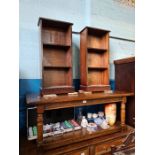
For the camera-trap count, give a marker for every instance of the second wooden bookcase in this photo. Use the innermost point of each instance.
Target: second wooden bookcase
(56, 41)
(94, 59)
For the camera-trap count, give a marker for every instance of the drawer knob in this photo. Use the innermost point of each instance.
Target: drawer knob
(84, 101)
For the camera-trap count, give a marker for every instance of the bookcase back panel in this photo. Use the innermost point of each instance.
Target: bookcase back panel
(95, 77)
(95, 59)
(55, 57)
(55, 36)
(55, 77)
(95, 42)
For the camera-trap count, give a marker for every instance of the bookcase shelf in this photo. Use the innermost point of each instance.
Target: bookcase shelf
(96, 68)
(90, 49)
(94, 59)
(61, 67)
(56, 40)
(49, 45)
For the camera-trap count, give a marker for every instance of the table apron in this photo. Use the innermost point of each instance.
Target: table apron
(60, 105)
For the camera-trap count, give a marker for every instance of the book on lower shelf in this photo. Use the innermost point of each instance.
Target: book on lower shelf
(54, 129)
(72, 126)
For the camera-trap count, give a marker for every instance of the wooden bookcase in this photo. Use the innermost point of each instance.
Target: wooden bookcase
(56, 45)
(94, 59)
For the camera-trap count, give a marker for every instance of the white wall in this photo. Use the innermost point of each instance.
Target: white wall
(120, 20)
(106, 14)
(110, 14)
(119, 49)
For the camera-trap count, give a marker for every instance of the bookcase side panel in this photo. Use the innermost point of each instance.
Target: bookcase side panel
(83, 57)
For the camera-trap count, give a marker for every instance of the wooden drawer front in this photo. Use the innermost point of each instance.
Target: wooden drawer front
(106, 147)
(84, 151)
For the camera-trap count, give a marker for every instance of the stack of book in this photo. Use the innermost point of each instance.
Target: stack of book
(55, 128)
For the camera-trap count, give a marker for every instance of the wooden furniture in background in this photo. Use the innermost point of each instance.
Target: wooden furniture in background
(125, 81)
(81, 141)
(94, 59)
(56, 45)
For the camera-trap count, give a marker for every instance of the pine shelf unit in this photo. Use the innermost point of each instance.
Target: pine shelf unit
(56, 45)
(94, 59)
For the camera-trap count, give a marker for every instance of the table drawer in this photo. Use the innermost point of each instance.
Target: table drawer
(104, 148)
(83, 151)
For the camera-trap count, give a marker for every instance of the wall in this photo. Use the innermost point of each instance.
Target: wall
(107, 14)
(119, 19)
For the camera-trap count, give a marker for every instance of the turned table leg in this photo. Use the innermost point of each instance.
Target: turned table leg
(123, 106)
(40, 111)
